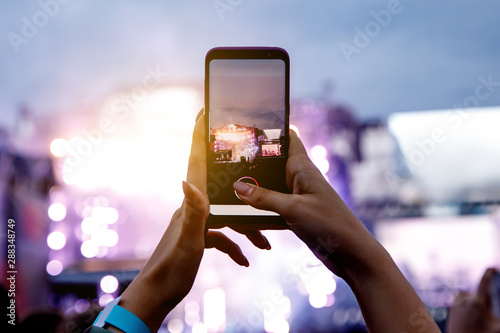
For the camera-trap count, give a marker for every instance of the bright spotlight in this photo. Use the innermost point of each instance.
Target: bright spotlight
(56, 240)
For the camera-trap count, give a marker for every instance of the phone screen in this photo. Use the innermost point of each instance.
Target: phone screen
(247, 130)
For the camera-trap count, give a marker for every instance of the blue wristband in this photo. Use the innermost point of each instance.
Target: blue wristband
(120, 318)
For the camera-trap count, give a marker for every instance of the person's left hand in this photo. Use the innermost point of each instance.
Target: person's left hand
(169, 274)
(472, 312)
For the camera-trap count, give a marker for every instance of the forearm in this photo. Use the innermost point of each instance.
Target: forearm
(387, 300)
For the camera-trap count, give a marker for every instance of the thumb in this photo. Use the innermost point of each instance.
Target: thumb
(262, 198)
(196, 209)
(483, 290)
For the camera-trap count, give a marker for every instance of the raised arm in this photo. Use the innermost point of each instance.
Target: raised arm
(319, 217)
(169, 274)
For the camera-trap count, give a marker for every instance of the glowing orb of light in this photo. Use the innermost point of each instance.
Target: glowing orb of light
(89, 249)
(109, 284)
(56, 240)
(57, 212)
(58, 147)
(54, 267)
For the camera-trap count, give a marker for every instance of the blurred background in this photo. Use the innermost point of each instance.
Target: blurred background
(397, 102)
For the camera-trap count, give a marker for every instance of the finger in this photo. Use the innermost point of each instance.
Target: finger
(200, 113)
(197, 167)
(262, 198)
(258, 239)
(243, 227)
(221, 242)
(461, 296)
(299, 162)
(483, 290)
(196, 210)
(296, 145)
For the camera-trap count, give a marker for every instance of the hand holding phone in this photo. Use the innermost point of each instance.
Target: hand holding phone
(477, 312)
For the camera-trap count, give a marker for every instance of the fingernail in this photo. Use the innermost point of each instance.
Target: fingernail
(268, 247)
(186, 189)
(190, 194)
(243, 189)
(199, 114)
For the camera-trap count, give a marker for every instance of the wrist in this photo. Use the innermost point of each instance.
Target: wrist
(143, 300)
(118, 319)
(354, 254)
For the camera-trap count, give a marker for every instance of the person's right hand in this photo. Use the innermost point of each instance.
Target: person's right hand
(314, 211)
(471, 313)
(318, 216)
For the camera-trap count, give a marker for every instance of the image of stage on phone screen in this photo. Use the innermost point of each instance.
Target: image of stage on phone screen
(247, 123)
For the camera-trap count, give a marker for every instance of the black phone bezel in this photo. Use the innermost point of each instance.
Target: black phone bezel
(247, 53)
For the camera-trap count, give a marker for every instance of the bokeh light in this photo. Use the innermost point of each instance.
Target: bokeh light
(56, 240)
(214, 309)
(318, 156)
(104, 299)
(175, 326)
(278, 326)
(89, 225)
(318, 300)
(89, 249)
(54, 267)
(199, 328)
(57, 212)
(110, 238)
(107, 215)
(58, 147)
(82, 305)
(191, 313)
(109, 284)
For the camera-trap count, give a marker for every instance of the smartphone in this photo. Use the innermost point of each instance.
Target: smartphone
(495, 295)
(247, 119)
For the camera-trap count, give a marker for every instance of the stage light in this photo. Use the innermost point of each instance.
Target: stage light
(319, 157)
(110, 238)
(175, 326)
(330, 300)
(105, 299)
(109, 284)
(54, 267)
(89, 225)
(82, 305)
(191, 313)
(89, 249)
(57, 212)
(214, 307)
(56, 240)
(278, 326)
(107, 215)
(318, 300)
(58, 147)
(199, 328)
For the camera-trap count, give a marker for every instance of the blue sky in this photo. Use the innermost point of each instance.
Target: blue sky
(429, 56)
